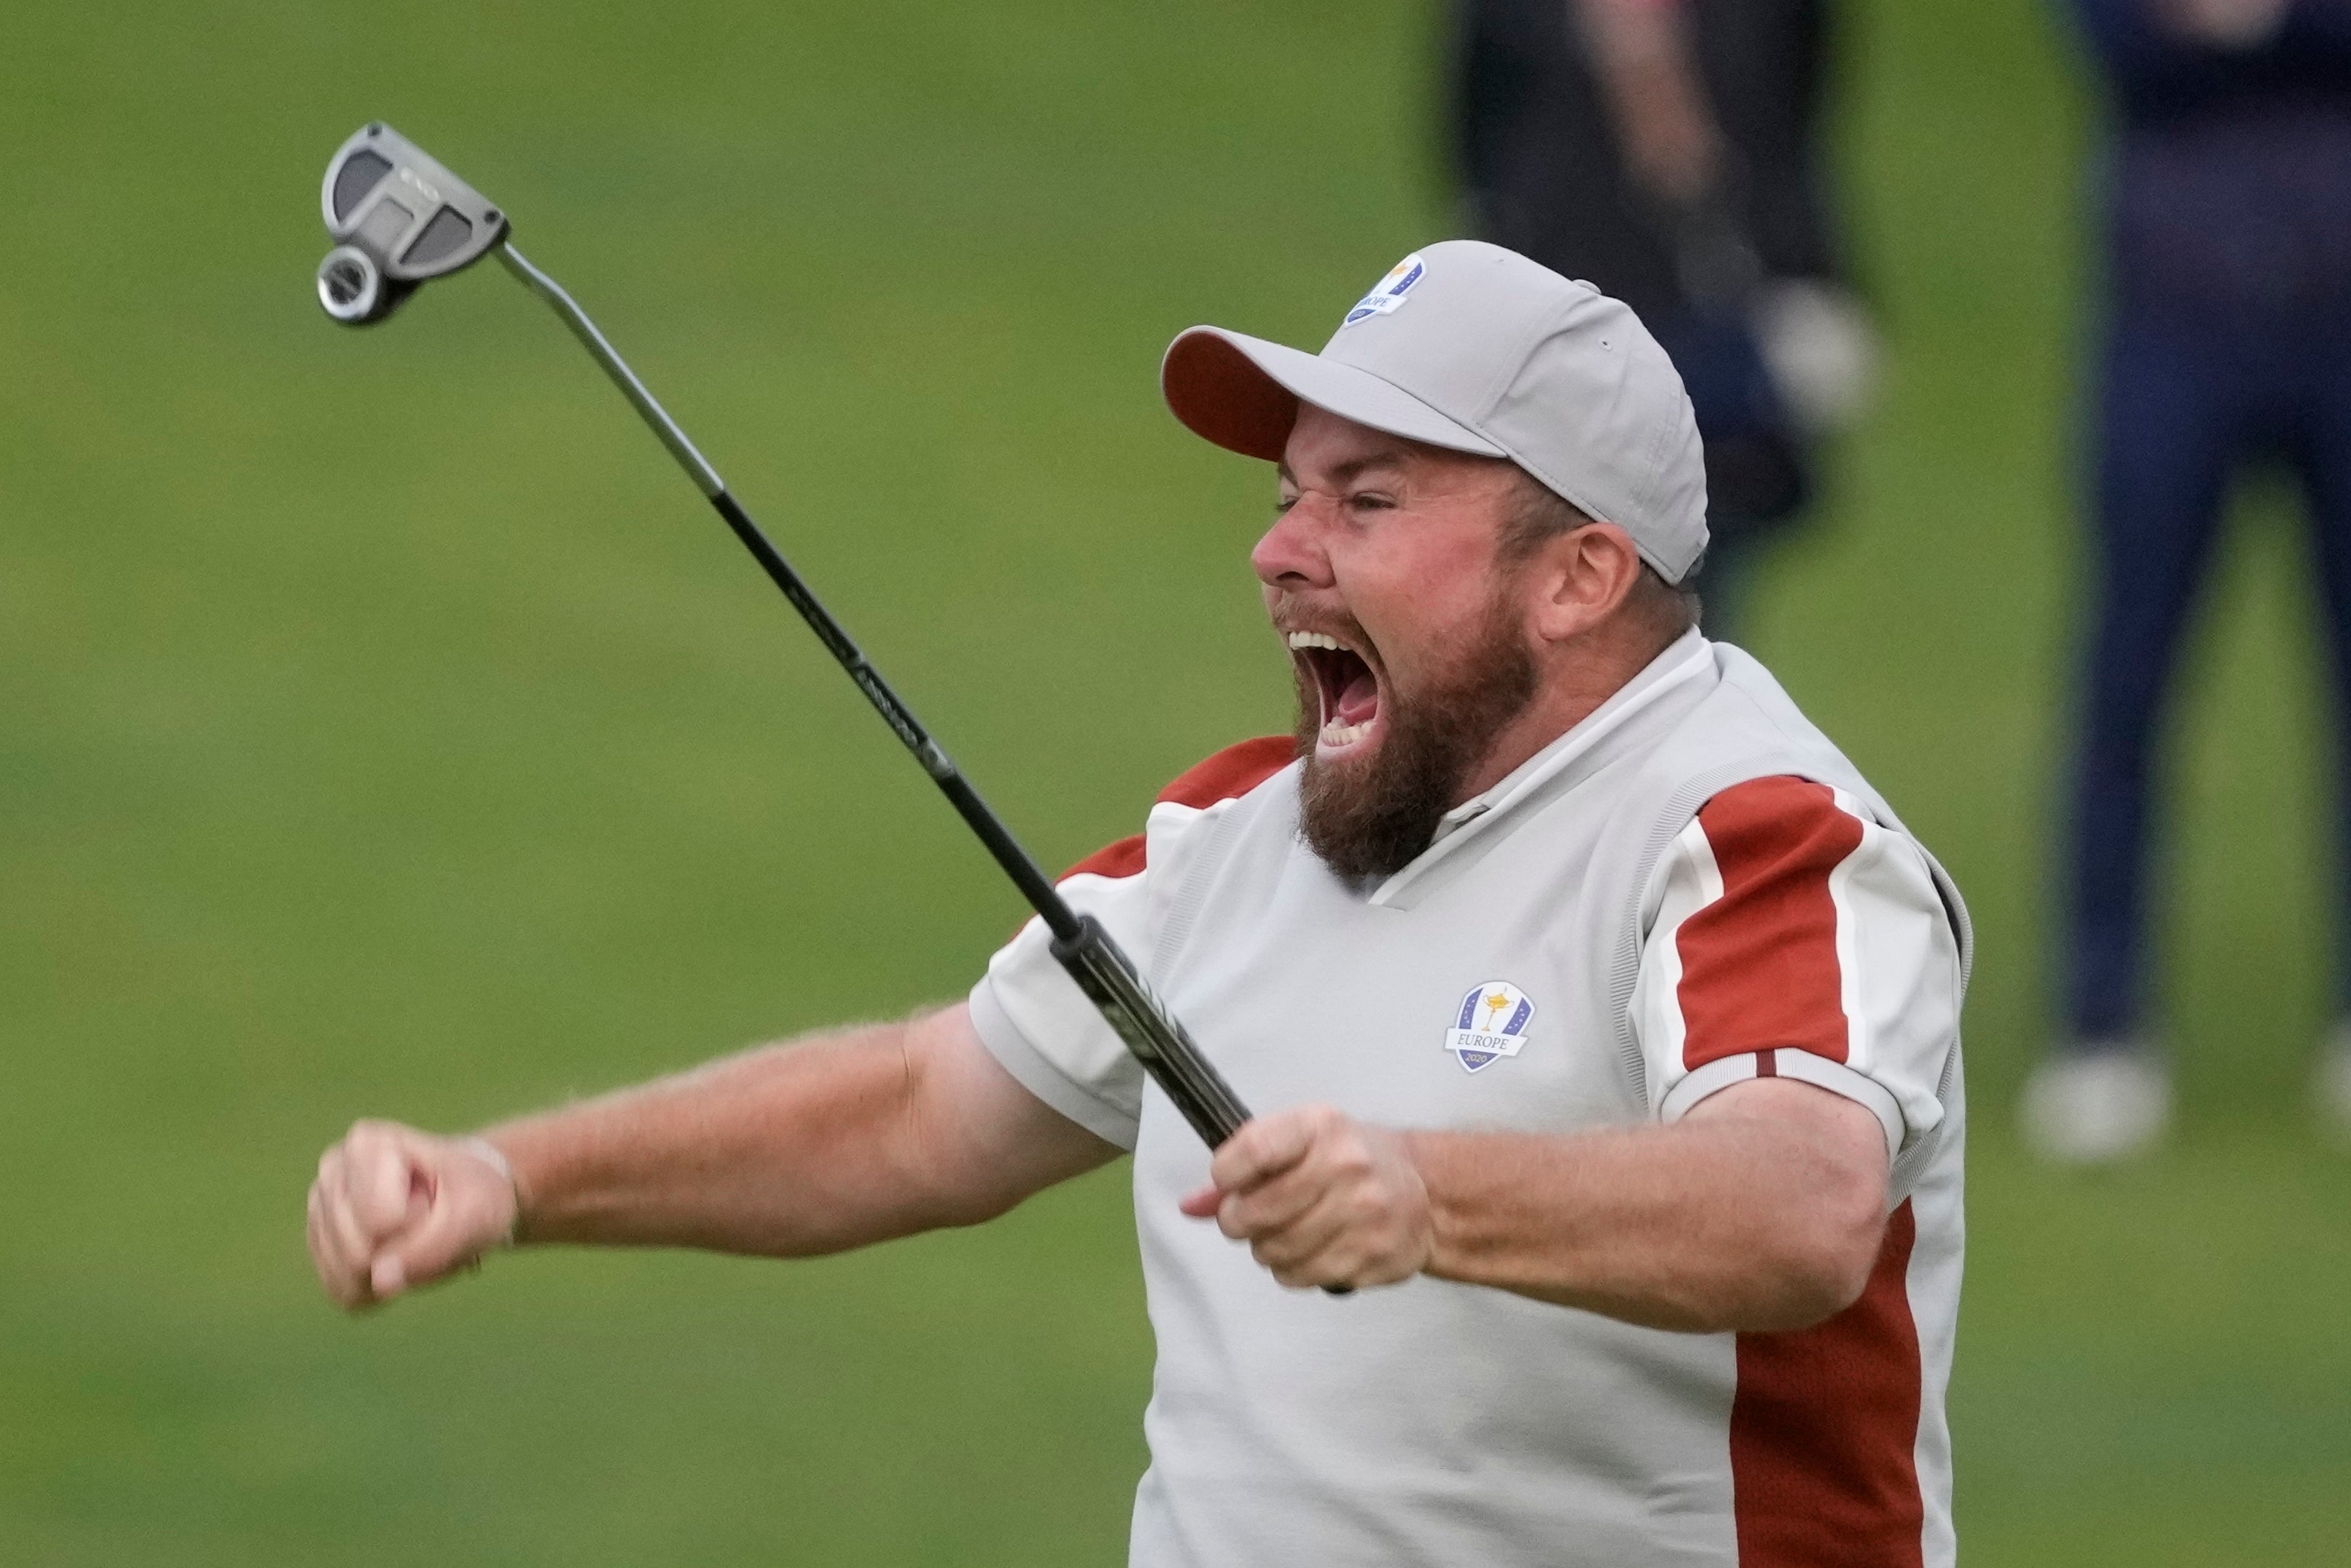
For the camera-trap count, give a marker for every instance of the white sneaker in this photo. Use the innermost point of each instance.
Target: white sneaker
(2097, 1107)
(2330, 1083)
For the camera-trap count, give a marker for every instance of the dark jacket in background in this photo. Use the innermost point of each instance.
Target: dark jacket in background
(1538, 156)
(2231, 180)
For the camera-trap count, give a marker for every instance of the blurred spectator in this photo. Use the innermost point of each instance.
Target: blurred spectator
(1668, 151)
(2227, 343)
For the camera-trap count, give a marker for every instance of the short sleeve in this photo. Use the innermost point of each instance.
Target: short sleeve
(1028, 1011)
(1796, 936)
(1033, 1019)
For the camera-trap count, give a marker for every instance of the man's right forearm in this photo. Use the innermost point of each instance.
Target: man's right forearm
(819, 1146)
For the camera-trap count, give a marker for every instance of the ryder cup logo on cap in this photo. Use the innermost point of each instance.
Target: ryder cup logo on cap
(1491, 1023)
(1389, 292)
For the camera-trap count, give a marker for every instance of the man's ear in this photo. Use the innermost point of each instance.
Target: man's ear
(1579, 578)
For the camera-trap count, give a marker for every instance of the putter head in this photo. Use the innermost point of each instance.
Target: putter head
(398, 218)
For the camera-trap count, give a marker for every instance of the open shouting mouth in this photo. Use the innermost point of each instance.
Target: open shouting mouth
(1350, 690)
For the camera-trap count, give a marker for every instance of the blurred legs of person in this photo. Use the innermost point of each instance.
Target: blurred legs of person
(1795, 367)
(2161, 467)
(2183, 402)
(2322, 453)
(1758, 474)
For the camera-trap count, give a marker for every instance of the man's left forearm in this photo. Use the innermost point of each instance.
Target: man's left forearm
(1763, 1208)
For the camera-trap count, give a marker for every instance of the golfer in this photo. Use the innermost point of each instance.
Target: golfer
(1602, 1021)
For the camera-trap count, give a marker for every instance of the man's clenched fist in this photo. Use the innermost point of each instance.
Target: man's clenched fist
(1320, 1199)
(394, 1208)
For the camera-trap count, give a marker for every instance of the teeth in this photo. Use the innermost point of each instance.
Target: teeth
(1334, 733)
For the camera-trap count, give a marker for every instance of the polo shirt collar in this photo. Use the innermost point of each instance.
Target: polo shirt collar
(1688, 658)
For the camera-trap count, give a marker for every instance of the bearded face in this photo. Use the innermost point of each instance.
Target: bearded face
(1370, 812)
(1396, 574)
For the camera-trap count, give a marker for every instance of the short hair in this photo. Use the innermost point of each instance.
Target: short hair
(1541, 513)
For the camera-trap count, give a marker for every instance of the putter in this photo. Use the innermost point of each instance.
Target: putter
(399, 219)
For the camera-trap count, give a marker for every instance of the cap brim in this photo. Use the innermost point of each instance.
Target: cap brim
(1243, 392)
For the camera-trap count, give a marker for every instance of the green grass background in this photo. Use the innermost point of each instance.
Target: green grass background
(385, 729)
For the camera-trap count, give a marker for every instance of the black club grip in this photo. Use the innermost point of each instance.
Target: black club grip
(1109, 979)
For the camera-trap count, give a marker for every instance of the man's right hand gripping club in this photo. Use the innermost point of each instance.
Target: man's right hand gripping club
(394, 1209)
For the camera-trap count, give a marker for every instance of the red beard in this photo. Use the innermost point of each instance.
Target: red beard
(1373, 817)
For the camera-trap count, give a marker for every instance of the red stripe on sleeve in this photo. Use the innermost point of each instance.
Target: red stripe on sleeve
(1759, 964)
(1123, 858)
(1229, 774)
(1232, 772)
(1824, 1430)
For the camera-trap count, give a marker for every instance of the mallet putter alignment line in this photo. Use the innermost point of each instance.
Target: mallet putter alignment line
(399, 219)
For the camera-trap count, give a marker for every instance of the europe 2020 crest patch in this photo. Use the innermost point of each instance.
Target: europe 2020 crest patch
(1389, 292)
(1491, 1024)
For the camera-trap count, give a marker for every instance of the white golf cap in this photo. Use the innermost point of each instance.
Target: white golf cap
(1469, 345)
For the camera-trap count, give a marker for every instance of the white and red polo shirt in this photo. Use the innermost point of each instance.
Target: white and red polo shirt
(1689, 890)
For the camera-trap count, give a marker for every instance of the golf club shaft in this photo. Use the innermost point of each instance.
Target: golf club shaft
(1082, 946)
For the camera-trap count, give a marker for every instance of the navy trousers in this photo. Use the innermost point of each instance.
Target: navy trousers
(2186, 400)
